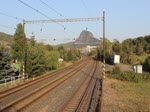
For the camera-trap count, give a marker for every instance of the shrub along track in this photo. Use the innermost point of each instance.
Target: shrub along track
(20, 96)
(82, 99)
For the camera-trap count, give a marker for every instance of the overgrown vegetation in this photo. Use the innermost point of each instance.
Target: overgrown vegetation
(128, 75)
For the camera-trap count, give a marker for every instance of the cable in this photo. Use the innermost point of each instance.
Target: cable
(57, 13)
(88, 13)
(85, 7)
(10, 16)
(7, 27)
(52, 8)
(40, 13)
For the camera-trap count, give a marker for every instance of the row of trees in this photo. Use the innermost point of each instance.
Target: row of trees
(129, 50)
(38, 57)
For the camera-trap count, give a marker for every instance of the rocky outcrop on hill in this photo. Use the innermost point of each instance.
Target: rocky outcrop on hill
(86, 38)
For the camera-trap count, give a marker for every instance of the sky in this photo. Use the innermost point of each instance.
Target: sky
(124, 18)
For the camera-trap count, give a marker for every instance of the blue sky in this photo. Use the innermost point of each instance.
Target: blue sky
(124, 18)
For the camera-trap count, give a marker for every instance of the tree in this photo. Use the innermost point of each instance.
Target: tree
(108, 49)
(139, 49)
(49, 47)
(36, 61)
(116, 47)
(127, 50)
(6, 69)
(19, 44)
(147, 64)
(140, 43)
(63, 53)
(40, 58)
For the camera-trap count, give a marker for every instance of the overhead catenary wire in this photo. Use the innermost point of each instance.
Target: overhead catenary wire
(40, 13)
(7, 27)
(52, 8)
(58, 14)
(89, 13)
(45, 16)
(86, 9)
(53, 20)
(10, 16)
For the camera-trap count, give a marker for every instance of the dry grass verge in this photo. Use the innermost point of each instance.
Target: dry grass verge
(119, 96)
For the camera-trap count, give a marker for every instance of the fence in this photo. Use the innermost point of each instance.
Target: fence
(12, 80)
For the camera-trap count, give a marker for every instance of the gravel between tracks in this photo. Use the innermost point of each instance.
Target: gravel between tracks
(55, 99)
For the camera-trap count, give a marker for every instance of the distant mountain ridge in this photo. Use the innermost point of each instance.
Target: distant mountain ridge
(6, 37)
(67, 45)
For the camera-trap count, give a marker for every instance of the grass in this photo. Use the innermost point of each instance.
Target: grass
(142, 58)
(123, 96)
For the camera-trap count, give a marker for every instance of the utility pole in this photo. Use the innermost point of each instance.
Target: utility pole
(103, 44)
(104, 37)
(24, 64)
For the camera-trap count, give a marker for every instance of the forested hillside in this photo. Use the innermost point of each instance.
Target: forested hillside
(6, 38)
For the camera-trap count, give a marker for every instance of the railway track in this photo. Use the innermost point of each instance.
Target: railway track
(12, 90)
(81, 100)
(26, 98)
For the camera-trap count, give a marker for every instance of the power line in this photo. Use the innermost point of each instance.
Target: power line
(40, 13)
(7, 27)
(57, 13)
(10, 16)
(85, 7)
(51, 8)
(83, 3)
(46, 16)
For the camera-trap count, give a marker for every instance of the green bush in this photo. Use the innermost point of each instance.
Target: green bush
(116, 70)
(131, 76)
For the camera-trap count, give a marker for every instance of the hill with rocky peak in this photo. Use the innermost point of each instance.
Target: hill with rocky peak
(86, 38)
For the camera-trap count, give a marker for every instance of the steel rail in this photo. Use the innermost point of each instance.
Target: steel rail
(31, 94)
(68, 104)
(20, 87)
